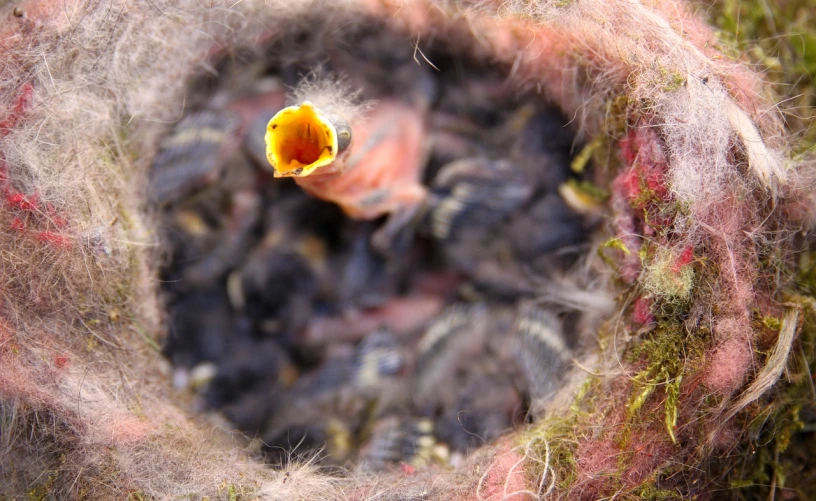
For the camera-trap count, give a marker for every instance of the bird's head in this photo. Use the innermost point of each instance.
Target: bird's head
(303, 140)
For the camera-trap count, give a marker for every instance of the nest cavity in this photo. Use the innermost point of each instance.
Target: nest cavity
(289, 317)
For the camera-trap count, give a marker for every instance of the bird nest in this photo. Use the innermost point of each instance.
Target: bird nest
(562, 264)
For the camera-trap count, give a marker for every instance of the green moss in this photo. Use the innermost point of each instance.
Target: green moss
(670, 80)
(781, 451)
(675, 81)
(778, 37)
(612, 243)
(664, 351)
(591, 190)
(44, 490)
(581, 160)
(671, 405)
(780, 455)
(556, 436)
(37, 493)
(232, 492)
(559, 436)
(649, 491)
(772, 323)
(663, 355)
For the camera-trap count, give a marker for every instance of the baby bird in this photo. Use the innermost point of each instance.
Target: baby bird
(394, 440)
(472, 196)
(338, 398)
(192, 157)
(207, 147)
(543, 351)
(377, 173)
(462, 381)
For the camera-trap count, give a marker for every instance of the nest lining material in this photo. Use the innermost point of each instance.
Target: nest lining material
(292, 322)
(87, 85)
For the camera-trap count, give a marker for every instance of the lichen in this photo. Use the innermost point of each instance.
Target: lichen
(667, 277)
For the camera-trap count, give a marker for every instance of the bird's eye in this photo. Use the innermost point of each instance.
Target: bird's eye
(343, 135)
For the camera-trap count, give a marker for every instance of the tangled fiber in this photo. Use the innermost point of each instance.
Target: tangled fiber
(704, 201)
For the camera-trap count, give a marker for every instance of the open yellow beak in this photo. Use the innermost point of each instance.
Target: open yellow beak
(299, 140)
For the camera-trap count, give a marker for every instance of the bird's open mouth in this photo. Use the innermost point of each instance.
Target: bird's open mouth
(299, 140)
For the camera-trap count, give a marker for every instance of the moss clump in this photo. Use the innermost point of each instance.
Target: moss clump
(667, 277)
(42, 491)
(670, 80)
(649, 491)
(664, 352)
(553, 441)
(581, 160)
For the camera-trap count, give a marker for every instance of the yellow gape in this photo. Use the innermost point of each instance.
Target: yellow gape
(299, 140)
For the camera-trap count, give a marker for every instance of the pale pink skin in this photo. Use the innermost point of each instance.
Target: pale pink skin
(381, 173)
(400, 315)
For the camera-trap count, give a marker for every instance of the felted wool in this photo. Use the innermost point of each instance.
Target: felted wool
(703, 196)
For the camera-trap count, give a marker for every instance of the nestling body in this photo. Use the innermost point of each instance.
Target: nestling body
(381, 171)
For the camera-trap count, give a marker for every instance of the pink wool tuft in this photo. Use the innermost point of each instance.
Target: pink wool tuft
(641, 311)
(683, 260)
(506, 477)
(641, 149)
(595, 460)
(732, 359)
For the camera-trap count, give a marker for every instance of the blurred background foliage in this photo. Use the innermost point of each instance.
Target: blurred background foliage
(779, 38)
